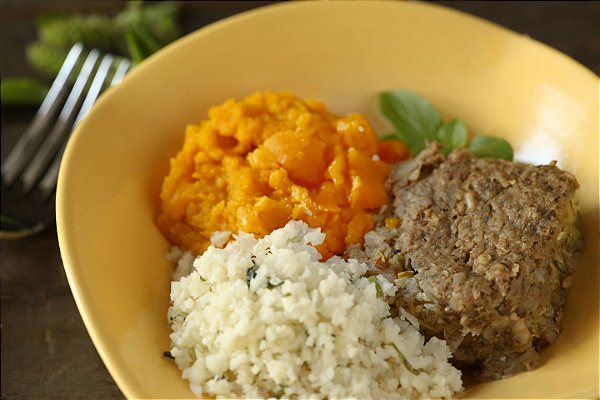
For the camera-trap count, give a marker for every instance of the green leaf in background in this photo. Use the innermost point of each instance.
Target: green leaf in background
(45, 58)
(138, 31)
(95, 31)
(157, 21)
(134, 47)
(414, 118)
(453, 135)
(491, 147)
(22, 91)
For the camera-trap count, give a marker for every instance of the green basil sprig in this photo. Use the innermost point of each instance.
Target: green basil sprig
(491, 147)
(417, 123)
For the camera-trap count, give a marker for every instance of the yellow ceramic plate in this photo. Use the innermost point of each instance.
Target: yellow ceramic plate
(344, 53)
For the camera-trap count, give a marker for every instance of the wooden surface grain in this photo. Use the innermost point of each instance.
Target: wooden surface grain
(46, 352)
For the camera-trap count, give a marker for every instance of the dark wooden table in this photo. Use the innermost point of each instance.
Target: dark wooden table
(45, 349)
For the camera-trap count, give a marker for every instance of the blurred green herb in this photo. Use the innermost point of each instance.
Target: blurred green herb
(137, 32)
(417, 123)
(22, 91)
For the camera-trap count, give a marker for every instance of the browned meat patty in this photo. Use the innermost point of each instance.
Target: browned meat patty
(483, 251)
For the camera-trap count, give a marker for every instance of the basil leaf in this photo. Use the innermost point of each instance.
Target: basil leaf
(413, 117)
(453, 135)
(414, 145)
(391, 136)
(417, 123)
(491, 147)
(410, 113)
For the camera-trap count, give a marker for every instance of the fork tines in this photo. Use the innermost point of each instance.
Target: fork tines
(35, 158)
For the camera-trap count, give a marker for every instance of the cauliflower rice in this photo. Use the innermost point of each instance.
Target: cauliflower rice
(265, 318)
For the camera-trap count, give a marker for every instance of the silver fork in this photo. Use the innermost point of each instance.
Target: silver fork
(30, 171)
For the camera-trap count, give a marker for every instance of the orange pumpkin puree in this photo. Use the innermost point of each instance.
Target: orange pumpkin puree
(270, 158)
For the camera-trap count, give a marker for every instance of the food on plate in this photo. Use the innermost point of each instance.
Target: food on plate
(265, 318)
(484, 249)
(258, 163)
(459, 245)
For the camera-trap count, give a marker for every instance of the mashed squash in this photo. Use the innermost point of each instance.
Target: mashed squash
(258, 163)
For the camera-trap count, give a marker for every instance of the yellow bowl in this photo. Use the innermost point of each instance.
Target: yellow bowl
(343, 53)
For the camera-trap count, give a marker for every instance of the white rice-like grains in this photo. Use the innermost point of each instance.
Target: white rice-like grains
(265, 318)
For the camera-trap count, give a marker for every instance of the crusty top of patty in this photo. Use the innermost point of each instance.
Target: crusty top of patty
(491, 246)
